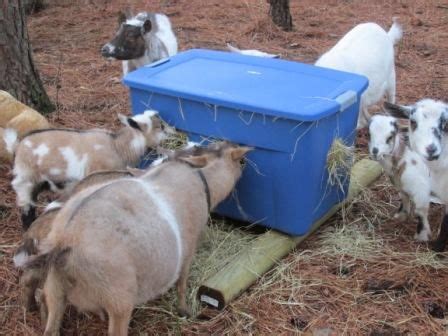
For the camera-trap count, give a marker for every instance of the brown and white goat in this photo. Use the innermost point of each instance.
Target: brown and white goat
(407, 170)
(32, 278)
(142, 243)
(140, 40)
(59, 157)
(428, 136)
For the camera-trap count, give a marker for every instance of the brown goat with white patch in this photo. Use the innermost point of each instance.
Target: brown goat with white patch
(32, 278)
(142, 243)
(60, 157)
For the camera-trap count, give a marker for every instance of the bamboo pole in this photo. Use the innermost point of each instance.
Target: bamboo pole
(266, 250)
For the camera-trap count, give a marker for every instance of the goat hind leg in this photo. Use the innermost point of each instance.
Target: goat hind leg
(423, 229)
(404, 212)
(119, 322)
(442, 239)
(391, 88)
(182, 307)
(25, 190)
(54, 301)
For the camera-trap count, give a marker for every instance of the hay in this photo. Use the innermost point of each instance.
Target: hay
(174, 141)
(350, 240)
(340, 159)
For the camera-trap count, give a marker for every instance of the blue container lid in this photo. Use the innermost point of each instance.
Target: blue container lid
(273, 87)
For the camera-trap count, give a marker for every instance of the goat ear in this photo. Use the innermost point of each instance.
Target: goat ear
(239, 152)
(135, 171)
(195, 161)
(398, 111)
(121, 17)
(147, 26)
(123, 119)
(128, 13)
(132, 123)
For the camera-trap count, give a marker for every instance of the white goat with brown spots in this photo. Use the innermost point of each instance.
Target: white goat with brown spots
(60, 157)
(142, 243)
(428, 136)
(406, 169)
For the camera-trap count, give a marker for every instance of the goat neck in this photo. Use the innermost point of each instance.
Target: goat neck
(131, 145)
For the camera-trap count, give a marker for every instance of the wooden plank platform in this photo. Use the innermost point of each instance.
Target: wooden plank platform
(262, 254)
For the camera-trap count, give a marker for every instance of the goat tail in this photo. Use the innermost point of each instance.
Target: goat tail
(233, 49)
(56, 257)
(396, 31)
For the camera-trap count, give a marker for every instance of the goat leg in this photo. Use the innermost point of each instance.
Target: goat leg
(442, 239)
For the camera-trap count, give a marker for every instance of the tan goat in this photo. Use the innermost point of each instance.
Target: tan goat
(120, 244)
(59, 157)
(32, 278)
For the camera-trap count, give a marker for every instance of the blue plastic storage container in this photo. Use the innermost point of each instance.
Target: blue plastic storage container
(290, 112)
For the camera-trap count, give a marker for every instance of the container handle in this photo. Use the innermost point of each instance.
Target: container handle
(157, 63)
(346, 99)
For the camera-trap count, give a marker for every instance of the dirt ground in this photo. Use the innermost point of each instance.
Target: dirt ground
(362, 274)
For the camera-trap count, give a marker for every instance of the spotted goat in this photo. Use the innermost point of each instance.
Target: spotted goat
(428, 136)
(406, 169)
(140, 40)
(57, 158)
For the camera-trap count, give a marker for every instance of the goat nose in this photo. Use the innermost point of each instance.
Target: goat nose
(431, 149)
(107, 50)
(375, 151)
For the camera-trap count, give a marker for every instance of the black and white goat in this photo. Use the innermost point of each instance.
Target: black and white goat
(140, 40)
(406, 169)
(428, 137)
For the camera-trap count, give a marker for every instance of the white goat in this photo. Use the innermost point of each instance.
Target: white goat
(140, 40)
(57, 158)
(406, 169)
(251, 52)
(428, 137)
(367, 50)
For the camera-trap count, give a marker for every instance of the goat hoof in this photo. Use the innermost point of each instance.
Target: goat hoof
(28, 218)
(31, 306)
(422, 236)
(438, 246)
(184, 312)
(401, 216)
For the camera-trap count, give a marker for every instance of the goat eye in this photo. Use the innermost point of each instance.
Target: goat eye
(443, 125)
(389, 139)
(413, 125)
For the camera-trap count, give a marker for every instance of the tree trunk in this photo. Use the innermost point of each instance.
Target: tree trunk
(280, 14)
(33, 6)
(17, 72)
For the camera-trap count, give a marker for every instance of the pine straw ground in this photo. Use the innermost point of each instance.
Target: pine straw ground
(360, 274)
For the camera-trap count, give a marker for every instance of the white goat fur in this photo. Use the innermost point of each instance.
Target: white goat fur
(407, 170)
(251, 52)
(154, 52)
(367, 50)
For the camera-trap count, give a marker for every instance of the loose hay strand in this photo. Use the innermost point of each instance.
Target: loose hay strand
(340, 159)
